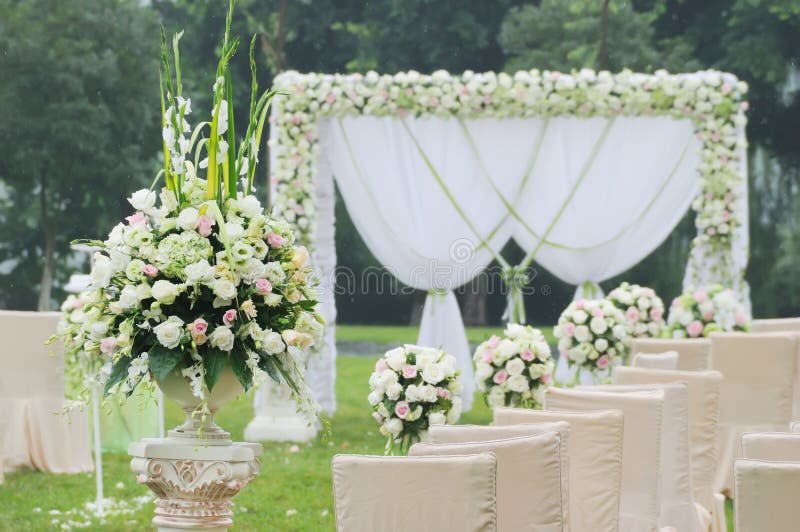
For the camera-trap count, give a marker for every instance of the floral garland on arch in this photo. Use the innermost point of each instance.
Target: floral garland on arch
(712, 100)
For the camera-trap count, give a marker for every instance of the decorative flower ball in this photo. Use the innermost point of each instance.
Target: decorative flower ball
(644, 310)
(592, 334)
(412, 388)
(699, 312)
(515, 370)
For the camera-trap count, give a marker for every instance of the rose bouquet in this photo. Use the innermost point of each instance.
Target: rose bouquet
(644, 310)
(204, 281)
(698, 313)
(514, 370)
(412, 388)
(592, 336)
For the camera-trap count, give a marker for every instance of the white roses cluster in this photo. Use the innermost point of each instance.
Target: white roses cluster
(699, 312)
(515, 370)
(592, 334)
(644, 310)
(413, 387)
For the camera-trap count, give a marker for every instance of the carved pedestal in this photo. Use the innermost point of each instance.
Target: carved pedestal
(276, 417)
(194, 482)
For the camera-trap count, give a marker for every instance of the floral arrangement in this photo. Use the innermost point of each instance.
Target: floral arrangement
(412, 388)
(699, 312)
(199, 277)
(644, 310)
(515, 370)
(712, 100)
(592, 335)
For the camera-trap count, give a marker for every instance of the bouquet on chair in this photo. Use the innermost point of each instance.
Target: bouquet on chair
(644, 310)
(699, 312)
(412, 388)
(592, 336)
(515, 370)
(205, 281)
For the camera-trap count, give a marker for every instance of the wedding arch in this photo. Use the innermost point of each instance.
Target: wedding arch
(587, 171)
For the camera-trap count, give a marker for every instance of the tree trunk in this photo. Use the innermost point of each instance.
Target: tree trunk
(475, 301)
(49, 241)
(602, 51)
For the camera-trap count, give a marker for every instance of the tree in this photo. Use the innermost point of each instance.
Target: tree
(80, 88)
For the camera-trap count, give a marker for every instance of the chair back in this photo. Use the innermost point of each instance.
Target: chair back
(693, 353)
(29, 367)
(776, 325)
(771, 446)
(665, 360)
(766, 496)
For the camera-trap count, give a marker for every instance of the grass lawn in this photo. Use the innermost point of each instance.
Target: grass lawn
(390, 334)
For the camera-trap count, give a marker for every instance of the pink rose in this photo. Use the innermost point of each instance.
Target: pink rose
(330, 98)
(107, 345)
(402, 409)
(493, 342)
(656, 313)
(263, 287)
(443, 393)
(204, 225)
(199, 326)
(725, 216)
(726, 88)
(602, 362)
(488, 355)
(695, 329)
(381, 365)
(700, 295)
(137, 218)
(708, 316)
(229, 316)
(632, 314)
(545, 379)
(500, 377)
(580, 304)
(409, 371)
(275, 240)
(741, 318)
(150, 270)
(597, 313)
(527, 355)
(378, 418)
(716, 136)
(569, 329)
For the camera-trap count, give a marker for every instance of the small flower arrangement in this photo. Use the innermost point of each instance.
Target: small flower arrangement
(206, 278)
(515, 370)
(644, 310)
(412, 388)
(699, 312)
(592, 335)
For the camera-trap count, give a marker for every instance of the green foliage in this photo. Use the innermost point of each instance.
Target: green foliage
(162, 360)
(214, 361)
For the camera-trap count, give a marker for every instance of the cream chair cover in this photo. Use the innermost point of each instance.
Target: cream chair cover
(529, 468)
(595, 461)
(693, 353)
(641, 448)
(665, 360)
(32, 393)
(794, 426)
(704, 391)
(766, 496)
(419, 493)
(772, 446)
(758, 373)
(776, 325)
(677, 506)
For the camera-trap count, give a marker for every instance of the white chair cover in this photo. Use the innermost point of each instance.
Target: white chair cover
(665, 360)
(776, 325)
(771, 446)
(766, 496)
(694, 354)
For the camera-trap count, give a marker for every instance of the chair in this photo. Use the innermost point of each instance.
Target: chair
(641, 447)
(529, 468)
(794, 426)
(417, 493)
(757, 391)
(665, 360)
(31, 393)
(772, 446)
(766, 496)
(693, 353)
(677, 507)
(595, 461)
(791, 325)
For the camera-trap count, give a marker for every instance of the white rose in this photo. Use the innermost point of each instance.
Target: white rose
(234, 230)
(579, 317)
(517, 383)
(582, 333)
(455, 412)
(433, 373)
(619, 332)
(497, 397)
(101, 271)
(437, 418)
(375, 397)
(272, 343)
(143, 200)
(396, 358)
(394, 390)
(448, 364)
(483, 371)
(515, 366)
(394, 426)
(98, 329)
(514, 330)
(250, 206)
(387, 378)
(428, 393)
(169, 332)
(412, 393)
(165, 292)
(222, 338)
(598, 325)
(199, 272)
(129, 296)
(224, 289)
(601, 344)
(188, 219)
(272, 300)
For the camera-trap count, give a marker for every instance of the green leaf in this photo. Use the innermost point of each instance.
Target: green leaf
(241, 369)
(214, 360)
(119, 371)
(162, 360)
(267, 364)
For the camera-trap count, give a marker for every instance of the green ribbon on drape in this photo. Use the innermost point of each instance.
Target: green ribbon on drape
(515, 279)
(591, 290)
